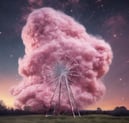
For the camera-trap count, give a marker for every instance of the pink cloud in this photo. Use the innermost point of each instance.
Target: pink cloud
(60, 53)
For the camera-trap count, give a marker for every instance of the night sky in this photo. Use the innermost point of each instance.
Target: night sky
(108, 19)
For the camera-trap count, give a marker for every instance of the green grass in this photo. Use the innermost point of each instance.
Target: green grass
(63, 119)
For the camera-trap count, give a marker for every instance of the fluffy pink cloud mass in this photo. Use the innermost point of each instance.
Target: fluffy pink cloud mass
(59, 52)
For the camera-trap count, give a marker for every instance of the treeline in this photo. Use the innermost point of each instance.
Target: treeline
(118, 111)
(4, 110)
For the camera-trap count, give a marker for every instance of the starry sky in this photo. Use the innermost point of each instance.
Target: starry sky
(108, 19)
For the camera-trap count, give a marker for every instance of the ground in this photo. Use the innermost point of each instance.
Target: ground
(63, 119)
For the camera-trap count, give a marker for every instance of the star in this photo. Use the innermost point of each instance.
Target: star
(115, 35)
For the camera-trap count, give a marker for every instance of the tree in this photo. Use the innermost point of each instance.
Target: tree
(99, 109)
(120, 111)
(121, 108)
(2, 106)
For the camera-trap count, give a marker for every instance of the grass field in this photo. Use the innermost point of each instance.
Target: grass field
(63, 119)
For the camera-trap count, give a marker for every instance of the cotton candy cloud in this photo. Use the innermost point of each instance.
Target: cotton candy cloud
(62, 65)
